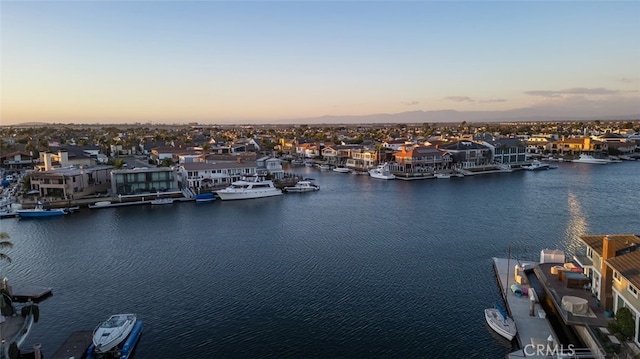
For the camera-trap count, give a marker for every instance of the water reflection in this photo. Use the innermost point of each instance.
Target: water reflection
(576, 226)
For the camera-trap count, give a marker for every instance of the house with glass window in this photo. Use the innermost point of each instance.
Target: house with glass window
(143, 180)
(612, 262)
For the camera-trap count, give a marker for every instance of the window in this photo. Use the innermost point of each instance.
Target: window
(589, 252)
(616, 276)
(633, 290)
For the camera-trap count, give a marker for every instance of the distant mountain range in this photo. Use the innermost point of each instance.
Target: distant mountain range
(452, 116)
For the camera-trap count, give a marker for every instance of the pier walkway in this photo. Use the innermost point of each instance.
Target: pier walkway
(532, 330)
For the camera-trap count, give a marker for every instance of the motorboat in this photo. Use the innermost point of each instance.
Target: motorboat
(536, 166)
(325, 167)
(40, 211)
(382, 172)
(500, 322)
(161, 201)
(205, 197)
(442, 175)
(303, 186)
(249, 188)
(342, 169)
(112, 332)
(584, 158)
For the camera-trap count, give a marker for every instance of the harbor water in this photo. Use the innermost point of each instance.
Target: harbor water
(362, 268)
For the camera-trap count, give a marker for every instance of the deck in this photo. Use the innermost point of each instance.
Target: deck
(32, 292)
(75, 346)
(557, 289)
(531, 329)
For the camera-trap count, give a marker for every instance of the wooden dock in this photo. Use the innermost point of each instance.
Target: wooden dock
(32, 292)
(534, 329)
(75, 346)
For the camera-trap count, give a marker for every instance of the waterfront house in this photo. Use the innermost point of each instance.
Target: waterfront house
(417, 158)
(200, 175)
(143, 180)
(339, 154)
(271, 166)
(72, 182)
(396, 144)
(574, 146)
(467, 154)
(612, 262)
(65, 158)
(507, 150)
(626, 285)
(362, 158)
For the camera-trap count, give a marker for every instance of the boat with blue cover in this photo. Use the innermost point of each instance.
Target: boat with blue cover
(500, 322)
(40, 211)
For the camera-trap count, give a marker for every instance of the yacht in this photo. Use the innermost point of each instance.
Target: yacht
(113, 331)
(342, 169)
(382, 172)
(305, 185)
(249, 188)
(536, 166)
(591, 160)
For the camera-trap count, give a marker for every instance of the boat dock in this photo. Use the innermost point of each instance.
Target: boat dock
(532, 329)
(31, 293)
(75, 346)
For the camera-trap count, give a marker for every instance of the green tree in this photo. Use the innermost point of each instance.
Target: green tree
(626, 322)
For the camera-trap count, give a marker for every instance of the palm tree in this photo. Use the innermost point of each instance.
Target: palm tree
(4, 243)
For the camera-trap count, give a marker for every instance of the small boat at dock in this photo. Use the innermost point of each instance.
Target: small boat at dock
(205, 197)
(500, 322)
(306, 185)
(40, 211)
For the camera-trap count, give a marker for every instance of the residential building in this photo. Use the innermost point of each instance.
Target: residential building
(469, 154)
(507, 150)
(574, 145)
(612, 262)
(72, 182)
(143, 180)
(416, 158)
(198, 175)
(65, 158)
(18, 160)
(270, 166)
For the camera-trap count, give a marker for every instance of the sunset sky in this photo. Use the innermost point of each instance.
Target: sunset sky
(267, 61)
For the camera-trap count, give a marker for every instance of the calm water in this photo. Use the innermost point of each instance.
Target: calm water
(362, 268)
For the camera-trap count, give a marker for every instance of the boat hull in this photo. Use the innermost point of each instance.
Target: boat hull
(29, 213)
(240, 195)
(113, 331)
(505, 327)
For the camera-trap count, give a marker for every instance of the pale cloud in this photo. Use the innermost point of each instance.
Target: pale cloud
(577, 106)
(494, 100)
(459, 98)
(410, 103)
(628, 80)
(573, 91)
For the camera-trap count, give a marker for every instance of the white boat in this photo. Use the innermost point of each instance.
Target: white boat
(161, 201)
(382, 172)
(591, 160)
(325, 167)
(499, 321)
(442, 175)
(249, 188)
(303, 186)
(536, 166)
(342, 169)
(40, 211)
(113, 331)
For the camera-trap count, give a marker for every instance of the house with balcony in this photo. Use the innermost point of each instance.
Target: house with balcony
(574, 146)
(205, 175)
(362, 158)
(72, 182)
(417, 158)
(468, 154)
(612, 262)
(65, 158)
(270, 166)
(507, 150)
